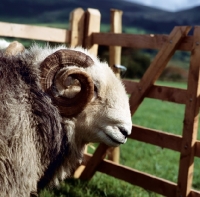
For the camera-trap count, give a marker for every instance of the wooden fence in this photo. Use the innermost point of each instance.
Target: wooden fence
(73, 36)
(187, 144)
(84, 30)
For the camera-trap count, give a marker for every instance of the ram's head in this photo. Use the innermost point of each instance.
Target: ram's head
(87, 89)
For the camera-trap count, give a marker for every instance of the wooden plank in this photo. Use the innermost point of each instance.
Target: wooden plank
(113, 154)
(159, 138)
(94, 162)
(115, 59)
(197, 149)
(143, 41)
(155, 137)
(92, 25)
(109, 168)
(78, 171)
(194, 193)
(157, 66)
(115, 51)
(171, 94)
(76, 27)
(136, 177)
(186, 166)
(130, 85)
(34, 32)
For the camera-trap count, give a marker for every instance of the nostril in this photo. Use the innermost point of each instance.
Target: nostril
(123, 131)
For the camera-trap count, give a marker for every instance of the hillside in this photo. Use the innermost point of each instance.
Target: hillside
(134, 15)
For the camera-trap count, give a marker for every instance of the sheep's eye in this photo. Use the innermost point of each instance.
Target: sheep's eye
(95, 89)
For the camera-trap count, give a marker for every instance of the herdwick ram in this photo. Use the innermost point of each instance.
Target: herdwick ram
(54, 101)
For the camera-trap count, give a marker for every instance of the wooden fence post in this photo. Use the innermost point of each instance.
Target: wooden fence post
(115, 51)
(94, 162)
(92, 18)
(76, 27)
(115, 59)
(186, 166)
(92, 25)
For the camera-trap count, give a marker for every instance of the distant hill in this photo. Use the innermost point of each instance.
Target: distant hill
(134, 15)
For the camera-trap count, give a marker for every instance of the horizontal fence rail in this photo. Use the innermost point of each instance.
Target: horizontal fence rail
(135, 177)
(161, 139)
(175, 95)
(34, 32)
(158, 138)
(138, 41)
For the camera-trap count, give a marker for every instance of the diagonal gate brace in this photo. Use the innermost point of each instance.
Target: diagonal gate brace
(94, 162)
(157, 66)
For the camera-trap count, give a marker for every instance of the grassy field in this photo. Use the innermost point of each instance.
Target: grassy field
(160, 162)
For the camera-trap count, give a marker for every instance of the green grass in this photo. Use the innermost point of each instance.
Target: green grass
(145, 157)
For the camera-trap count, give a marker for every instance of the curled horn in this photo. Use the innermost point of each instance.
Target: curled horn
(53, 64)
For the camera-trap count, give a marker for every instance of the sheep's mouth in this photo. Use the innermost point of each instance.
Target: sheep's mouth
(114, 140)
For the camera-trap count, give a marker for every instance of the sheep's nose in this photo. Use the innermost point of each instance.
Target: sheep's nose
(123, 131)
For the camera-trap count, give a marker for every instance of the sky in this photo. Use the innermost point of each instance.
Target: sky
(169, 5)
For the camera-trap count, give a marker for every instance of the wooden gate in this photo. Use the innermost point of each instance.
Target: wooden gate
(187, 144)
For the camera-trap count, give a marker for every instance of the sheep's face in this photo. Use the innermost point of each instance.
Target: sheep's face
(87, 90)
(107, 117)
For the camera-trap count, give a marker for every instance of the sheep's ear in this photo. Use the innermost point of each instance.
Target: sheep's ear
(14, 48)
(57, 70)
